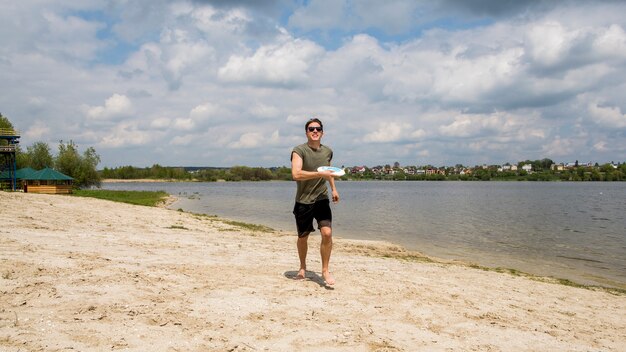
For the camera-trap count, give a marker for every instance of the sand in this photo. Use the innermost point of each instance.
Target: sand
(80, 274)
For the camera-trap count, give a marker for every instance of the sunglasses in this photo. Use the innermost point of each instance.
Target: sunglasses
(315, 128)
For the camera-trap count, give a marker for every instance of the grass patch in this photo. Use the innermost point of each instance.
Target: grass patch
(147, 198)
(247, 226)
(560, 281)
(178, 227)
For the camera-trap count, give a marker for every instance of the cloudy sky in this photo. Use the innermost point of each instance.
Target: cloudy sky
(222, 83)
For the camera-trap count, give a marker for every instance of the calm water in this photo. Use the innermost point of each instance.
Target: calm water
(568, 230)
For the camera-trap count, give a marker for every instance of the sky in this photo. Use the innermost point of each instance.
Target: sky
(223, 83)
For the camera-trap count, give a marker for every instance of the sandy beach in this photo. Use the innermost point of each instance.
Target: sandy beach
(80, 274)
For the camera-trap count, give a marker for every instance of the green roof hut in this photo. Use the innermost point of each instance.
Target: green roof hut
(24, 173)
(48, 181)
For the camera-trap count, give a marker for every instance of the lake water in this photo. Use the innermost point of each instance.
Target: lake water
(567, 230)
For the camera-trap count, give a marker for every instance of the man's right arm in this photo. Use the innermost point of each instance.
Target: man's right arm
(301, 175)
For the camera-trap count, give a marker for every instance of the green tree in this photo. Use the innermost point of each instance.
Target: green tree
(545, 164)
(5, 123)
(89, 168)
(81, 168)
(39, 156)
(20, 158)
(68, 159)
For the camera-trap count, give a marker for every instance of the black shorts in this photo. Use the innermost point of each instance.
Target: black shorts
(305, 213)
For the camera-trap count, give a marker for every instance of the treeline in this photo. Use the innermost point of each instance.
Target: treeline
(68, 160)
(235, 173)
(606, 172)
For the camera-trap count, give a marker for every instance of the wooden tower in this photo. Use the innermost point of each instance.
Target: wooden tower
(8, 145)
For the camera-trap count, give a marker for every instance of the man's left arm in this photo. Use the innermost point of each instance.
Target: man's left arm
(335, 194)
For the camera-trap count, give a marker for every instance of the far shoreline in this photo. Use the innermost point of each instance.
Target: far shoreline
(169, 180)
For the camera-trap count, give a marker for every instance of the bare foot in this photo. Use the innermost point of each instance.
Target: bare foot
(301, 274)
(330, 280)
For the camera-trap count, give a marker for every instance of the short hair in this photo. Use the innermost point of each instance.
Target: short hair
(306, 126)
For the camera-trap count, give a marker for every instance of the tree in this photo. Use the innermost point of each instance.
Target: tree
(20, 157)
(68, 159)
(81, 168)
(545, 163)
(38, 156)
(89, 168)
(5, 123)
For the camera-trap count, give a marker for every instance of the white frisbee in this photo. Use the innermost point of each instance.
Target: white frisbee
(338, 172)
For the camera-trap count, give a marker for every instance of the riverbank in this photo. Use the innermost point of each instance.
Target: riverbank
(142, 180)
(87, 274)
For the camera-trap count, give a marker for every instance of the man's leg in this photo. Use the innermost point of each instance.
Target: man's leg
(325, 249)
(303, 247)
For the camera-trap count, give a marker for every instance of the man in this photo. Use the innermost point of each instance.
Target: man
(312, 196)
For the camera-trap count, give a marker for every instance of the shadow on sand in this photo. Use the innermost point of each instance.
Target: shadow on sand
(309, 276)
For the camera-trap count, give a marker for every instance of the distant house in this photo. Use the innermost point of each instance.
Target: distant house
(557, 167)
(575, 164)
(409, 170)
(527, 167)
(48, 181)
(434, 171)
(377, 170)
(357, 170)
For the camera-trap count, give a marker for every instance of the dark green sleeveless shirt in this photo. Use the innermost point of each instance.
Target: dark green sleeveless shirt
(310, 191)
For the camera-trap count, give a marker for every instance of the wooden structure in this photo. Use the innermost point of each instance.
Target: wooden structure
(48, 181)
(20, 176)
(9, 139)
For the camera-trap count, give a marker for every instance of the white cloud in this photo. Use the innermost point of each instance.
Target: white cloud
(283, 64)
(115, 107)
(183, 140)
(265, 111)
(126, 134)
(472, 125)
(611, 42)
(500, 127)
(390, 16)
(548, 43)
(182, 56)
(418, 134)
(560, 147)
(607, 116)
(69, 37)
(204, 111)
(37, 130)
(256, 139)
(388, 132)
(210, 20)
(319, 14)
(184, 124)
(511, 86)
(601, 146)
(160, 123)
